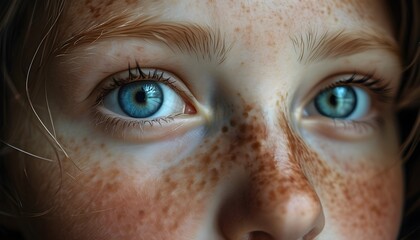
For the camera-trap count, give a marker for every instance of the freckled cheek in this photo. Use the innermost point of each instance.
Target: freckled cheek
(127, 200)
(359, 204)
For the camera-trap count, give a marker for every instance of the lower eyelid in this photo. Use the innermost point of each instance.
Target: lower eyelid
(144, 131)
(337, 129)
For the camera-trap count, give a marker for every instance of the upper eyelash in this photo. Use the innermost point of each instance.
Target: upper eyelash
(142, 76)
(379, 87)
(138, 76)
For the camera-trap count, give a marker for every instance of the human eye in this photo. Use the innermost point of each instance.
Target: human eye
(145, 104)
(350, 106)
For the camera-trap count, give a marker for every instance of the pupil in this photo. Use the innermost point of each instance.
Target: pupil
(333, 100)
(141, 96)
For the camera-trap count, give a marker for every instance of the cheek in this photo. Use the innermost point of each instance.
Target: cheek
(104, 193)
(365, 202)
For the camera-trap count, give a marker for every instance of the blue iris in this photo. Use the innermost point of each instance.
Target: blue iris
(140, 99)
(336, 102)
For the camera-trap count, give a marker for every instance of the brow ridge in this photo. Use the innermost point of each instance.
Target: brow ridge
(314, 46)
(205, 42)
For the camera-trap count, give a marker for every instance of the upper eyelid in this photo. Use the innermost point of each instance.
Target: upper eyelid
(375, 85)
(384, 95)
(139, 75)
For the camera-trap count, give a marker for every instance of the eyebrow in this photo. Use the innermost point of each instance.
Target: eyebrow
(202, 41)
(314, 46)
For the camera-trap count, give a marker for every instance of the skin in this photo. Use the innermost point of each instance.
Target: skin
(249, 167)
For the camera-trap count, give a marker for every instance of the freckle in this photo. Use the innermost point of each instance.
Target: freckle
(256, 145)
(215, 148)
(202, 184)
(190, 183)
(175, 225)
(99, 184)
(77, 149)
(225, 129)
(214, 175)
(112, 187)
(272, 195)
(120, 216)
(207, 160)
(110, 2)
(247, 108)
(173, 185)
(282, 190)
(114, 173)
(347, 194)
(165, 209)
(188, 170)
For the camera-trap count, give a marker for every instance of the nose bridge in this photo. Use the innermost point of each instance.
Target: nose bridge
(272, 198)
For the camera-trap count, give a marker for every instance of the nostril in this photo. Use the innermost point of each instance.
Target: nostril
(259, 235)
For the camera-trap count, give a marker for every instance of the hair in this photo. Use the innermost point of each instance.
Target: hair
(407, 16)
(16, 24)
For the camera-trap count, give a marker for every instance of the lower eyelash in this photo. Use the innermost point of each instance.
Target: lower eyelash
(348, 130)
(358, 126)
(117, 125)
(146, 130)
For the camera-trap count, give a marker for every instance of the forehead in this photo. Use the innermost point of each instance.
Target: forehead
(82, 14)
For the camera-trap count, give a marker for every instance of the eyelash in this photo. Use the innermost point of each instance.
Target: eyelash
(118, 123)
(379, 87)
(141, 76)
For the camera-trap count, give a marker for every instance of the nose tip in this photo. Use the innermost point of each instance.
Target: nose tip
(301, 220)
(259, 212)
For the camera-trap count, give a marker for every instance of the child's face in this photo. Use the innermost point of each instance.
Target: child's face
(274, 123)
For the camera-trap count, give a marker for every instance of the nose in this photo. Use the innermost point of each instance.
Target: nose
(269, 216)
(268, 196)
